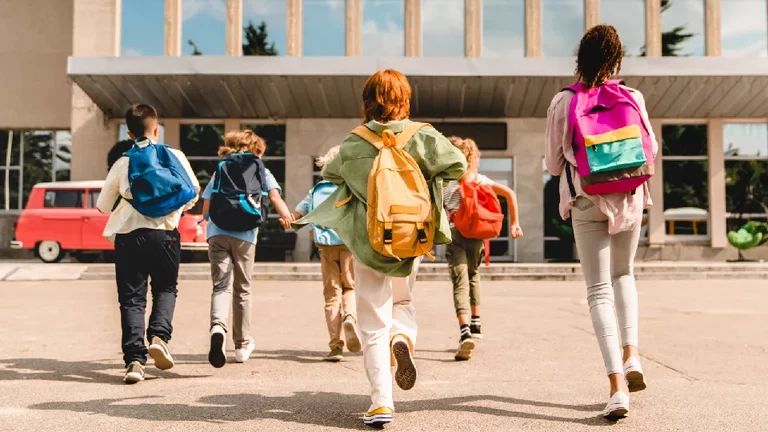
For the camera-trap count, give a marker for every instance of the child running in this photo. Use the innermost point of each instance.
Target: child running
(336, 265)
(464, 254)
(145, 193)
(231, 251)
(383, 215)
(604, 158)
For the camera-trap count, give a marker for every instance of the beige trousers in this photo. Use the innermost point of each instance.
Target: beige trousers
(336, 264)
(384, 309)
(231, 266)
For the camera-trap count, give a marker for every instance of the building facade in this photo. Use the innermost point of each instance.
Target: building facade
(486, 69)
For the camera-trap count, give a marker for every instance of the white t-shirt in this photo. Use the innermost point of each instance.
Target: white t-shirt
(452, 196)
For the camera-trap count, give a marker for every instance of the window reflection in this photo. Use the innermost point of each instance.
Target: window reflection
(383, 28)
(264, 27)
(443, 28)
(142, 28)
(686, 178)
(204, 25)
(503, 28)
(682, 27)
(562, 25)
(628, 17)
(324, 28)
(744, 28)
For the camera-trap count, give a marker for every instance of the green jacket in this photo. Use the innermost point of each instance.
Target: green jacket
(439, 160)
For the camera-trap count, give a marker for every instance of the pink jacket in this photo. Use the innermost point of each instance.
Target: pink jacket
(624, 211)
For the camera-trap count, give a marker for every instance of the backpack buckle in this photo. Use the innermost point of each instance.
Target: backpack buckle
(387, 236)
(422, 235)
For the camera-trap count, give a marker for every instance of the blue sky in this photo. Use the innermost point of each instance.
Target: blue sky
(745, 26)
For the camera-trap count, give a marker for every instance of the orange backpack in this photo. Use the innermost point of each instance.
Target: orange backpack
(479, 215)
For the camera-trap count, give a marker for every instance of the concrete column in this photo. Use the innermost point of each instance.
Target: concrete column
(713, 35)
(354, 30)
(525, 143)
(473, 28)
(92, 134)
(656, 224)
(173, 22)
(294, 26)
(413, 28)
(234, 27)
(533, 28)
(591, 13)
(231, 125)
(653, 28)
(716, 157)
(172, 129)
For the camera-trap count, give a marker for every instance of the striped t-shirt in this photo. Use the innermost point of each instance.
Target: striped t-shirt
(452, 196)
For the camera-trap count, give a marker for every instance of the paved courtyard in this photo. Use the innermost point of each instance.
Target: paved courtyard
(704, 348)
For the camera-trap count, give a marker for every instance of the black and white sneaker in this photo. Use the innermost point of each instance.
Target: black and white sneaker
(474, 327)
(217, 356)
(466, 345)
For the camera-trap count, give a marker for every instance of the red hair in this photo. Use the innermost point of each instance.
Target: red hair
(387, 97)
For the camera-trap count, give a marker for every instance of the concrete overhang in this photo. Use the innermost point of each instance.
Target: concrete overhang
(330, 87)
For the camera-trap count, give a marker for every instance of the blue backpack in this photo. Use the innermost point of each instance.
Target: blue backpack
(323, 236)
(159, 183)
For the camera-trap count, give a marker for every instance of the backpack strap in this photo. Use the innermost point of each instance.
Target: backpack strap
(378, 141)
(409, 132)
(370, 136)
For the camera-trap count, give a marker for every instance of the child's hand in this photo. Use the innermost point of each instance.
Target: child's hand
(285, 223)
(515, 231)
(296, 216)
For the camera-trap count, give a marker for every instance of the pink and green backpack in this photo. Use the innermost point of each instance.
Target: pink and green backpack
(611, 143)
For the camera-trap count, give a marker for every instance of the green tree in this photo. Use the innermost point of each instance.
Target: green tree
(195, 50)
(256, 41)
(672, 40)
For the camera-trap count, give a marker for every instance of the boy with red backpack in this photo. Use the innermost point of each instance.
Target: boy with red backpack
(476, 217)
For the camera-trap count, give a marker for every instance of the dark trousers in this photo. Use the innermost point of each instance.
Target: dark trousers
(143, 254)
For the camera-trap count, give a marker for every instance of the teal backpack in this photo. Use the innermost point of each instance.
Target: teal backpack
(323, 236)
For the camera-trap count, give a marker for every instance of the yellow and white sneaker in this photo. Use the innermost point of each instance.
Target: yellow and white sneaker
(378, 417)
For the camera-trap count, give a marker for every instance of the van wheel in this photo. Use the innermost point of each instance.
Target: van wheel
(87, 257)
(50, 251)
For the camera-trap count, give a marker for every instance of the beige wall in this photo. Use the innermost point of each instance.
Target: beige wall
(33, 63)
(92, 133)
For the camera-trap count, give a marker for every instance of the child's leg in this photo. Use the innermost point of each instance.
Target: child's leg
(221, 275)
(403, 309)
(458, 268)
(131, 272)
(242, 260)
(474, 261)
(348, 282)
(374, 316)
(332, 291)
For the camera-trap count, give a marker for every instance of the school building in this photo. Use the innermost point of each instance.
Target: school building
(293, 71)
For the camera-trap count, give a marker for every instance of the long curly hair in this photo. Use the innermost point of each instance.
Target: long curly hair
(469, 149)
(599, 56)
(243, 141)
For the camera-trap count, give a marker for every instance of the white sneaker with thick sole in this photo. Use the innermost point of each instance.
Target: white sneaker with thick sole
(633, 372)
(405, 374)
(243, 354)
(350, 334)
(618, 407)
(159, 352)
(217, 355)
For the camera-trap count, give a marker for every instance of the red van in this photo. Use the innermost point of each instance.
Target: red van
(62, 217)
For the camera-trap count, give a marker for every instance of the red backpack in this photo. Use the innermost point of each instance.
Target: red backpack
(479, 215)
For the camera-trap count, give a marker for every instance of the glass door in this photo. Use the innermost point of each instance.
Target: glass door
(500, 170)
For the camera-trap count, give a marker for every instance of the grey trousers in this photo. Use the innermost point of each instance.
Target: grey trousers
(608, 265)
(231, 266)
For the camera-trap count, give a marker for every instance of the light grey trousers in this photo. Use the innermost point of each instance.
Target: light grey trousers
(231, 257)
(607, 262)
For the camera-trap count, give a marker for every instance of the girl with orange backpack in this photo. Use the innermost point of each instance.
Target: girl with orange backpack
(476, 217)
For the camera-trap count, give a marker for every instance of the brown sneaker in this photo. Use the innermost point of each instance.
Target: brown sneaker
(158, 350)
(134, 373)
(405, 374)
(350, 334)
(336, 355)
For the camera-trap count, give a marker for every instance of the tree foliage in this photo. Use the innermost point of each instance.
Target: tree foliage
(256, 41)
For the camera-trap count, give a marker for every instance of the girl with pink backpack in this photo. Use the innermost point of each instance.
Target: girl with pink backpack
(600, 142)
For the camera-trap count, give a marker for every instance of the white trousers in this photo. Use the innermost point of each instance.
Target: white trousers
(384, 309)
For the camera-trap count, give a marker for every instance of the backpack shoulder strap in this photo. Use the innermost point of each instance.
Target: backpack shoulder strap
(409, 132)
(369, 135)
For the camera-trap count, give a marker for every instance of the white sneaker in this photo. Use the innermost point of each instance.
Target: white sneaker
(618, 406)
(635, 377)
(243, 354)
(217, 355)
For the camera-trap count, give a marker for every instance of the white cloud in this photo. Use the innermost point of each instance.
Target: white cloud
(386, 41)
(443, 27)
(744, 28)
(265, 9)
(131, 52)
(214, 8)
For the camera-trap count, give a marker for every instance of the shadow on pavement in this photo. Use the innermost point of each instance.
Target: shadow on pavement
(297, 356)
(310, 408)
(94, 372)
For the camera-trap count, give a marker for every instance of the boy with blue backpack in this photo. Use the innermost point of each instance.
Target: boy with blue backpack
(337, 266)
(236, 205)
(145, 194)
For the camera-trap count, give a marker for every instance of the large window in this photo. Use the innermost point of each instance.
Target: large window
(443, 28)
(204, 27)
(686, 192)
(563, 26)
(628, 16)
(28, 158)
(744, 26)
(264, 27)
(200, 143)
(142, 28)
(122, 133)
(746, 173)
(324, 28)
(682, 27)
(383, 28)
(503, 28)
